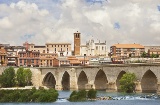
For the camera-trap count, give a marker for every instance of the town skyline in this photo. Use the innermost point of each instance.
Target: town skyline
(42, 21)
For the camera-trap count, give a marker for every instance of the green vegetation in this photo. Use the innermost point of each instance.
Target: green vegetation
(82, 95)
(21, 78)
(8, 77)
(154, 56)
(144, 54)
(127, 82)
(31, 95)
(92, 94)
(27, 76)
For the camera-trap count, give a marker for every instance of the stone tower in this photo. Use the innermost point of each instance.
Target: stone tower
(77, 43)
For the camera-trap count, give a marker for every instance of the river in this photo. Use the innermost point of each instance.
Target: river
(120, 99)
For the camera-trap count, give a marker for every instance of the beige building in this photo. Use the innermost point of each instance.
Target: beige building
(33, 47)
(122, 51)
(47, 59)
(62, 49)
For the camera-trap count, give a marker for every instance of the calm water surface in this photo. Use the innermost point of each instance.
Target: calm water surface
(127, 99)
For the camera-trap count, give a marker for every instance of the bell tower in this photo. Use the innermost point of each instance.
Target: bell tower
(77, 43)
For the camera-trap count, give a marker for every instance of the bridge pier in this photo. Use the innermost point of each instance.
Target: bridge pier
(158, 87)
(111, 87)
(138, 88)
(89, 86)
(58, 87)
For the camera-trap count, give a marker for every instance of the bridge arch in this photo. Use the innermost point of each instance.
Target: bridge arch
(82, 80)
(118, 78)
(49, 80)
(149, 82)
(66, 81)
(101, 80)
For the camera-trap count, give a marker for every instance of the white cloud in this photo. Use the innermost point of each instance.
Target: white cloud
(57, 21)
(5, 23)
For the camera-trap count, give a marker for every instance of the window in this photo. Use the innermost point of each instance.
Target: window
(102, 47)
(20, 60)
(96, 47)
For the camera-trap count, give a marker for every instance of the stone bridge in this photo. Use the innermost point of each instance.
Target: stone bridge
(98, 77)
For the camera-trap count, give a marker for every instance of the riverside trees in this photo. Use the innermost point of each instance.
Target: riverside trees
(21, 78)
(127, 82)
(29, 95)
(82, 95)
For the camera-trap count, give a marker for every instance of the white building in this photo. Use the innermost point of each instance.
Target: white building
(94, 49)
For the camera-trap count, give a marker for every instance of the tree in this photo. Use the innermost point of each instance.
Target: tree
(27, 76)
(144, 54)
(154, 56)
(8, 77)
(92, 94)
(127, 82)
(20, 77)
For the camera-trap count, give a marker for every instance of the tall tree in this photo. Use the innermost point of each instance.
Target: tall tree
(127, 82)
(27, 76)
(20, 77)
(8, 77)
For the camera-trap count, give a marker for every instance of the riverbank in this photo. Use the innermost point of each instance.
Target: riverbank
(28, 95)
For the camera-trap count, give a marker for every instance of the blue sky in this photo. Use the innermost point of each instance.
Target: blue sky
(56, 20)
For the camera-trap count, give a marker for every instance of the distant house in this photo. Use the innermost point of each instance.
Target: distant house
(123, 51)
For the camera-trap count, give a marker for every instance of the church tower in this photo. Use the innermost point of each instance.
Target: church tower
(77, 43)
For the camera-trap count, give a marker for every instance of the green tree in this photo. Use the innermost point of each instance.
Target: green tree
(154, 56)
(20, 77)
(27, 76)
(127, 82)
(144, 54)
(8, 77)
(92, 94)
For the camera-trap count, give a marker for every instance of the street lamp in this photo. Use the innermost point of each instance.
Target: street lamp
(84, 59)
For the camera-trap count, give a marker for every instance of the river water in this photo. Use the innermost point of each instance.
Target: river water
(120, 99)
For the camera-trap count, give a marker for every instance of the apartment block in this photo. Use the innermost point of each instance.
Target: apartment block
(29, 58)
(123, 51)
(48, 59)
(12, 54)
(3, 56)
(62, 49)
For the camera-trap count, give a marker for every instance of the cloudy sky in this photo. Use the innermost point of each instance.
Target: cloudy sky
(116, 21)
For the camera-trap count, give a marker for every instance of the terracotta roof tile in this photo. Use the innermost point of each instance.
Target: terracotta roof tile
(128, 46)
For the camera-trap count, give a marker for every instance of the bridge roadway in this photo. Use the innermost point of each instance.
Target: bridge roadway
(105, 77)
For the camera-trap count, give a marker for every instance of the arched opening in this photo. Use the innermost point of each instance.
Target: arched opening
(49, 80)
(149, 82)
(101, 81)
(82, 80)
(118, 78)
(66, 81)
